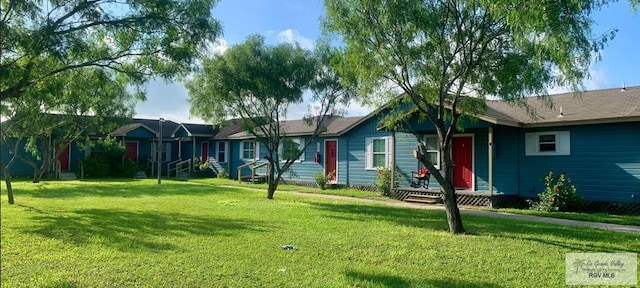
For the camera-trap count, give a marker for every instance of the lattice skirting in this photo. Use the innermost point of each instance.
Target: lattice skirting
(370, 188)
(612, 207)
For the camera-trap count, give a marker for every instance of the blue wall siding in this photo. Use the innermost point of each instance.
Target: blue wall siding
(481, 159)
(141, 132)
(604, 164)
(303, 171)
(405, 162)
(351, 151)
(505, 160)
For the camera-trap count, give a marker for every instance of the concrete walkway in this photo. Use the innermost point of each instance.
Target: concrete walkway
(466, 211)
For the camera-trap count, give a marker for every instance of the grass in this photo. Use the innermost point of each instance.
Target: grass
(591, 217)
(349, 192)
(183, 234)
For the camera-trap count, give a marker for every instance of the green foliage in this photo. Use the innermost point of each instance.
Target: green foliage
(106, 160)
(384, 178)
(322, 179)
(135, 40)
(223, 174)
(259, 83)
(558, 195)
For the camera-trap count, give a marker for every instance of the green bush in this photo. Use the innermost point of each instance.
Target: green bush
(106, 160)
(558, 195)
(383, 183)
(322, 180)
(223, 174)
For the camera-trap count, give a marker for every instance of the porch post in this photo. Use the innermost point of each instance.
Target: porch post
(193, 153)
(179, 148)
(393, 159)
(490, 161)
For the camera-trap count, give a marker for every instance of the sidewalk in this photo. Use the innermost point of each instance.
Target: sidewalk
(566, 222)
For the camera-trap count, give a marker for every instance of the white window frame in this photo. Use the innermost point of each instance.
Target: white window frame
(562, 143)
(299, 141)
(369, 152)
(226, 151)
(256, 150)
(437, 150)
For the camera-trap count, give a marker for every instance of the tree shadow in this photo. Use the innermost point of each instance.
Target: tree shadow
(426, 219)
(381, 280)
(123, 189)
(570, 238)
(125, 230)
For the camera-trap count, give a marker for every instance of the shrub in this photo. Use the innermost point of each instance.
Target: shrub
(223, 174)
(322, 180)
(383, 184)
(558, 195)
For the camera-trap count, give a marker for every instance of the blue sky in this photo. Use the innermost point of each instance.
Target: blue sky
(299, 21)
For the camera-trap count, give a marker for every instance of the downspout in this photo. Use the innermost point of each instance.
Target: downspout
(491, 161)
(393, 159)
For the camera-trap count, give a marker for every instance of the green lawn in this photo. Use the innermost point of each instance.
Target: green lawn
(184, 234)
(591, 217)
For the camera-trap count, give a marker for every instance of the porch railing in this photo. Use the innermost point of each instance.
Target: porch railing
(150, 165)
(181, 166)
(253, 166)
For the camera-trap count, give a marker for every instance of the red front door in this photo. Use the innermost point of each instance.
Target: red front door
(63, 157)
(132, 150)
(331, 159)
(462, 162)
(205, 152)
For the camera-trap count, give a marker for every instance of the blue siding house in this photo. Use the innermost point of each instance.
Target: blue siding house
(592, 136)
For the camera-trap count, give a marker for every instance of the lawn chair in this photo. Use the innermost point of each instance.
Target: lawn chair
(420, 179)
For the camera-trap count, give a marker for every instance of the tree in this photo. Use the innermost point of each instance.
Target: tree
(134, 39)
(259, 83)
(70, 106)
(446, 57)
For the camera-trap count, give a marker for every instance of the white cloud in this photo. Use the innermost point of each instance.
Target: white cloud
(218, 46)
(293, 36)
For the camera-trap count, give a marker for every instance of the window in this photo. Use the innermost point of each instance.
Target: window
(552, 143)
(289, 149)
(248, 150)
(547, 143)
(433, 149)
(166, 152)
(378, 152)
(221, 151)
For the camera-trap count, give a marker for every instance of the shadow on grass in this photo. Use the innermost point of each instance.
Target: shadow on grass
(127, 230)
(570, 238)
(368, 279)
(118, 188)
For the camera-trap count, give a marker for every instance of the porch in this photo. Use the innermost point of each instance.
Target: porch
(464, 197)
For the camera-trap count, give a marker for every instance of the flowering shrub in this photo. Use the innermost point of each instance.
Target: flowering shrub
(383, 184)
(322, 180)
(558, 195)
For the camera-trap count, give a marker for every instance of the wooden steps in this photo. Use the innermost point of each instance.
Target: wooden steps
(68, 176)
(423, 199)
(255, 179)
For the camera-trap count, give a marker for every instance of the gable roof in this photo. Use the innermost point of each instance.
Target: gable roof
(589, 107)
(230, 127)
(198, 130)
(168, 127)
(335, 125)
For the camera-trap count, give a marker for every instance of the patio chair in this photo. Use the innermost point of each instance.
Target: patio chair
(420, 179)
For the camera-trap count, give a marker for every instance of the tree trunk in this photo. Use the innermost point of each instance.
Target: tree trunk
(273, 183)
(7, 179)
(451, 207)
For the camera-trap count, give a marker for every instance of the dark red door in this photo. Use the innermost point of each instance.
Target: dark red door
(132, 150)
(205, 152)
(463, 162)
(63, 157)
(331, 159)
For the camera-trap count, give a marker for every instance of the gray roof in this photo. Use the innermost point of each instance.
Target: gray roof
(199, 130)
(168, 127)
(230, 127)
(589, 107)
(335, 125)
